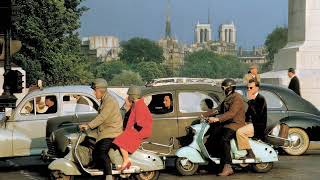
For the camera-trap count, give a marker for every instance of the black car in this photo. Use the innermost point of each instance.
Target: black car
(300, 115)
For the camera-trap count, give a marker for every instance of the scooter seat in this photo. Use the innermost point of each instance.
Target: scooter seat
(95, 172)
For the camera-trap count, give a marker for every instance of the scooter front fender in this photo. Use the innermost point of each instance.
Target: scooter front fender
(190, 153)
(65, 166)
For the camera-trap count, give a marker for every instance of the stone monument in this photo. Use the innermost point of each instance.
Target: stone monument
(302, 51)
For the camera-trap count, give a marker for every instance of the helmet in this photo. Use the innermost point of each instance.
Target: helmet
(228, 86)
(134, 92)
(99, 83)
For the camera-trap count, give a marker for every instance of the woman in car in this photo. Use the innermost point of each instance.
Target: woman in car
(138, 128)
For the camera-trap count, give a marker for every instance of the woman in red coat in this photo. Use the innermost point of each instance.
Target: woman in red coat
(139, 126)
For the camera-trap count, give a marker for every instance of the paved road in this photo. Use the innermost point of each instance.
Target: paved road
(304, 167)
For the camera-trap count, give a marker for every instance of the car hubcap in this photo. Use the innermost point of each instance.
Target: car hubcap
(296, 140)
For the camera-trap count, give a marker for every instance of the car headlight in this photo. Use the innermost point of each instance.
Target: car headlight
(276, 130)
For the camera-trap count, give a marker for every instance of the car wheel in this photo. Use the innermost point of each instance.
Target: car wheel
(185, 167)
(57, 175)
(262, 167)
(149, 175)
(300, 142)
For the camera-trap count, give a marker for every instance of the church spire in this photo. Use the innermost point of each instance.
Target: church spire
(209, 20)
(168, 22)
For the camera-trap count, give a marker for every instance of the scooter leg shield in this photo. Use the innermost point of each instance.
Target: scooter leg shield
(115, 156)
(192, 154)
(65, 166)
(146, 161)
(263, 152)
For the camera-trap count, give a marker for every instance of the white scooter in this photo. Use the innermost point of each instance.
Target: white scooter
(195, 154)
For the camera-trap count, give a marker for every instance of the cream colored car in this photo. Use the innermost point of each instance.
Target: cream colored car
(23, 132)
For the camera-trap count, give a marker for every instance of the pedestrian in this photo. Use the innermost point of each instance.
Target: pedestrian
(139, 127)
(108, 124)
(252, 74)
(256, 119)
(232, 118)
(294, 84)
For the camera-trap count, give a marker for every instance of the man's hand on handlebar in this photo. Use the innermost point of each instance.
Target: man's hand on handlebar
(213, 120)
(83, 127)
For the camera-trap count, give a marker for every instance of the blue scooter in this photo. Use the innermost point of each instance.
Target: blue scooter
(195, 154)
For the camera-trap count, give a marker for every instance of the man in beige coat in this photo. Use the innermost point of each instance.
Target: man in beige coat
(108, 124)
(252, 74)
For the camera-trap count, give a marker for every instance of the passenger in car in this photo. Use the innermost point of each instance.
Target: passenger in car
(256, 119)
(51, 102)
(207, 106)
(168, 106)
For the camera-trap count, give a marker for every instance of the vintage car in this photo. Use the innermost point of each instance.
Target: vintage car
(283, 107)
(23, 132)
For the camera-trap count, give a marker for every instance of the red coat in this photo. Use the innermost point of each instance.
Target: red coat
(131, 138)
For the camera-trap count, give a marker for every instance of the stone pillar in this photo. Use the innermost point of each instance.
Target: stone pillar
(222, 36)
(209, 35)
(302, 51)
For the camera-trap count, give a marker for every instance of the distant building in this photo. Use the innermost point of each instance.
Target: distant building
(228, 33)
(173, 51)
(202, 33)
(254, 56)
(103, 48)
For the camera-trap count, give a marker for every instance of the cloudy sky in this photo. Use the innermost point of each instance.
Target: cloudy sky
(254, 19)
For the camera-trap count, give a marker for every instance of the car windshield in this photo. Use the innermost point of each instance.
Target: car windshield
(118, 98)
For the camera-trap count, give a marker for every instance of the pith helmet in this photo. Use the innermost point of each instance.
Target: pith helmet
(99, 83)
(135, 92)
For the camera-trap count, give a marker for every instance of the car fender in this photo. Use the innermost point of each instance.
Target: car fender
(190, 153)
(21, 144)
(65, 166)
(6, 143)
(311, 124)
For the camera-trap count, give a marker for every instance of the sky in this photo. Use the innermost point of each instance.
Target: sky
(254, 19)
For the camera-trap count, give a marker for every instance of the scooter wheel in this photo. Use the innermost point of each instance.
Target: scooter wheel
(57, 175)
(185, 167)
(262, 167)
(149, 175)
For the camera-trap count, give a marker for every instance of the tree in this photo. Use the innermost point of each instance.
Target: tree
(107, 70)
(126, 78)
(150, 70)
(50, 44)
(276, 40)
(138, 50)
(207, 64)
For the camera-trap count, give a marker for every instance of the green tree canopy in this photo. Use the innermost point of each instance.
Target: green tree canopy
(150, 70)
(138, 50)
(127, 78)
(50, 44)
(107, 70)
(207, 64)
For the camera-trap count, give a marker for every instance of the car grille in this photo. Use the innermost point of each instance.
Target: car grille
(51, 148)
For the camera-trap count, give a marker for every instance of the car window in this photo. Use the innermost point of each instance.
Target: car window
(160, 103)
(40, 105)
(76, 103)
(191, 102)
(273, 101)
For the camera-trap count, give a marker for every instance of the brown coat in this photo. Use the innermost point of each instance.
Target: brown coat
(233, 110)
(249, 76)
(109, 121)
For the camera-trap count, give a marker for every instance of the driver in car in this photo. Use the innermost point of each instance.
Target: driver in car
(108, 124)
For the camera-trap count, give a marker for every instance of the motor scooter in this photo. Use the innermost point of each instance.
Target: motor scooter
(145, 165)
(195, 154)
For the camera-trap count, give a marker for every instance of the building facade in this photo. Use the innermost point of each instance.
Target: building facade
(253, 56)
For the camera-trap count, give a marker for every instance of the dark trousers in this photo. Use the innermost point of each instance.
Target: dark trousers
(100, 155)
(219, 142)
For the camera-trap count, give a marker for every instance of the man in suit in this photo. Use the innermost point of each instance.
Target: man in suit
(232, 118)
(256, 119)
(294, 84)
(252, 74)
(108, 124)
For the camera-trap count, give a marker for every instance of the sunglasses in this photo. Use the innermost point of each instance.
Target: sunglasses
(250, 87)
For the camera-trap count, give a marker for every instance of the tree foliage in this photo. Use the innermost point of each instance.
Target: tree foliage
(138, 50)
(107, 70)
(50, 44)
(126, 78)
(207, 64)
(150, 70)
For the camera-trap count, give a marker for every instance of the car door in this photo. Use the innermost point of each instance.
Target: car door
(164, 123)
(189, 108)
(29, 124)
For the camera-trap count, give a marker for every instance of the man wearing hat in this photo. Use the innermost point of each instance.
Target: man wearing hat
(252, 74)
(294, 84)
(108, 124)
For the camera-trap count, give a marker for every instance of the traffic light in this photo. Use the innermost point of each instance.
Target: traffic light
(14, 81)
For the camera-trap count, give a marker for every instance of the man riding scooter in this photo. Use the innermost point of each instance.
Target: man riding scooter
(108, 124)
(231, 118)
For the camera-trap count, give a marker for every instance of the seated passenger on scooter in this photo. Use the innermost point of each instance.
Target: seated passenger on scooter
(232, 118)
(256, 119)
(138, 128)
(108, 124)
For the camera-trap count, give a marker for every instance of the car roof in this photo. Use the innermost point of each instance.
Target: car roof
(291, 99)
